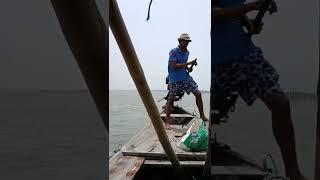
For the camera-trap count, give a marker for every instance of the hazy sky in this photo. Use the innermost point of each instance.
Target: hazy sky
(289, 40)
(33, 51)
(154, 39)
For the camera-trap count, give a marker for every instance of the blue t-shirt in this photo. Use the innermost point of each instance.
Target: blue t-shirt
(180, 57)
(229, 41)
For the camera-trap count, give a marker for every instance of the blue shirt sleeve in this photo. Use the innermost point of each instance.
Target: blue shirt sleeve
(172, 56)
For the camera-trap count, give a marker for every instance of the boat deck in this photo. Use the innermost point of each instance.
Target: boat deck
(143, 157)
(146, 144)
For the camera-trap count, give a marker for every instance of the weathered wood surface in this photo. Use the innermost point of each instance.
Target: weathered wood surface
(124, 167)
(179, 115)
(146, 144)
(167, 163)
(178, 119)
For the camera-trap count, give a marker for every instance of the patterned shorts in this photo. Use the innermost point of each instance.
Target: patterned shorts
(252, 78)
(188, 86)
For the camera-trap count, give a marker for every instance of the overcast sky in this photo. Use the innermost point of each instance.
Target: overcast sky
(34, 53)
(154, 39)
(289, 40)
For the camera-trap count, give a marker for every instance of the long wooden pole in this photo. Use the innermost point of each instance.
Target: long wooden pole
(87, 36)
(122, 37)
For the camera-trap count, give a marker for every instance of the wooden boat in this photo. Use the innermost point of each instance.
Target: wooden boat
(144, 158)
(179, 116)
(228, 164)
(153, 152)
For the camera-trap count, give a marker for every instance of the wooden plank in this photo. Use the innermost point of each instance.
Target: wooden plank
(178, 115)
(124, 167)
(167, 163)
(146, 135)
(156, 155)
(146, 144)
(237, 171)
(178, 134)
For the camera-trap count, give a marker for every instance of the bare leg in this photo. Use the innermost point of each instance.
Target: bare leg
(283, 131)
(168, 112)
(199, 103)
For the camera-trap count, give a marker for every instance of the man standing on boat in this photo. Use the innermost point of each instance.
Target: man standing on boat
(179, 78)
(238, 65)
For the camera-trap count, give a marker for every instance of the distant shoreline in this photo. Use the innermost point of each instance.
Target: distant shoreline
(34, 90)
(290, 93)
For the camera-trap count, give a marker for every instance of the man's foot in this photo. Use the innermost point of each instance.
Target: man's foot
(167, 123)
(204, 119)
(167, 126)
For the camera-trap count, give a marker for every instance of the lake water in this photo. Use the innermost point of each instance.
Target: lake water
(60, 135)
(51, 135)
(248, 131)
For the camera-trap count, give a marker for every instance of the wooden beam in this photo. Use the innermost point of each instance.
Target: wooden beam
(179, 115)
(156, 155)
(124, 167)
(161, 163)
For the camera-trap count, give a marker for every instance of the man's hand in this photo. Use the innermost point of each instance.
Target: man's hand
(272, 9)
(192, 62)
(176, 65)
(188, 69)
(259, 4)
(251, 28)
(255, 29)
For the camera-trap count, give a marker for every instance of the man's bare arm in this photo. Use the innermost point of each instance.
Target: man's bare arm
(176, 65)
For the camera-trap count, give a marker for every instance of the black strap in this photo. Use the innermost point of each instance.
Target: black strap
(148, 16)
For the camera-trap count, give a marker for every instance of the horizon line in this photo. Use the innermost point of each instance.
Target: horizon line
(85, 89)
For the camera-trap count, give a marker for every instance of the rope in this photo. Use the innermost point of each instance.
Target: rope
(148, 16)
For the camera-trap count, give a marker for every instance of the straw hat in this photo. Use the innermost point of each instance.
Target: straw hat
(184, 36)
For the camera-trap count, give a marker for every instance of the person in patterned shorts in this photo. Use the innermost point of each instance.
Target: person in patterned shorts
(238, 65)
(179, 78)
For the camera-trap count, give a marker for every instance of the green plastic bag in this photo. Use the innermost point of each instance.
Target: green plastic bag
(197, 141)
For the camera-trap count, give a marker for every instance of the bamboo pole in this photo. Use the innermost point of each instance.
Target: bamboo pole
(124, 42)
(87, 36)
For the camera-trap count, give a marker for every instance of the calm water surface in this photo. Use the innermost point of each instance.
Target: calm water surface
(249, 130)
